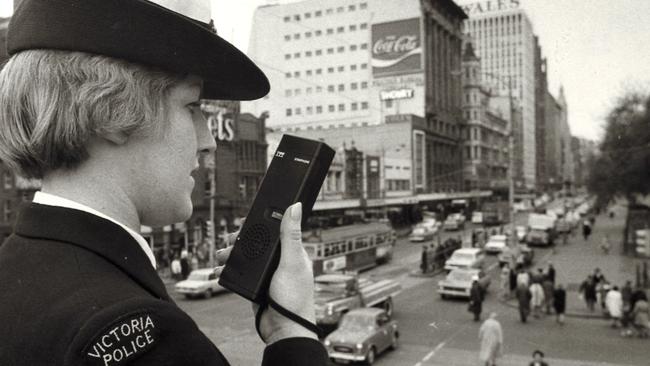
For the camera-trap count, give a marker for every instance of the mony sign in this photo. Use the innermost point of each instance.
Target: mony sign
(396, 47)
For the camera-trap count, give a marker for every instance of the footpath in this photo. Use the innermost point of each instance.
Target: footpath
(577, 259)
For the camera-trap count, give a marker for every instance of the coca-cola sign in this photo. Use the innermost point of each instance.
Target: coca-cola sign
(396, 47)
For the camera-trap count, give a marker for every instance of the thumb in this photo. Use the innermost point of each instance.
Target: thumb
(290, 234)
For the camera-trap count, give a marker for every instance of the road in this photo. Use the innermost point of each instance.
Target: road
(435, 331)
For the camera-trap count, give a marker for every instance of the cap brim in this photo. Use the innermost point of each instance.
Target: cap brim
(141, 32)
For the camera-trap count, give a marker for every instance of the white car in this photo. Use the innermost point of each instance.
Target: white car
(466, 258)
(496, 244)
(200, 282)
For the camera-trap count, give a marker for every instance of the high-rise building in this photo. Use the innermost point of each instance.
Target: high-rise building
(541, 88)
(355, 63)
(503, 38)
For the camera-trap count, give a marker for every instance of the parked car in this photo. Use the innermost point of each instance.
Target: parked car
(201, 282)
(496, 244)
(466, 258)
(362, 336)
(459, 282)
(454, 222)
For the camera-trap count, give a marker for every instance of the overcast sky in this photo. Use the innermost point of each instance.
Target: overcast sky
(595, 48)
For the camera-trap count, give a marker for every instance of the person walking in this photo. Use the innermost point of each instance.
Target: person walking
(547, 286)
(538, 359)
(614, 304)
(176, 268)
(505, 282)
(588, 292)
(626, 295)
(550, 272)
(185, 265)
(476, 300)
(586, 230)
(537, 298)
(559, 303)
(491, 337)
(523, 300)
(523, 278)
(641, 314)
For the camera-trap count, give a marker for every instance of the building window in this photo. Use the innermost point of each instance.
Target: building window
(287, 75)
(352, 27)
(309, 90)
(353, 67)
(363, 6)
(330, 70)
(340, 9)
(296, 55)
(363, 26)
(319, 52)
(296, 17)
(307, 34)
(364, 66)
(341, 107)
(287, 56)
(319, 89)
(329, 11)
(364, 46)
(318, 13)
(297, 111)
(340, 29)
(389, 103)
(364, 85)
(330, 30)
(287, 19)
(308, 54)
(296, 92)
(296, 36)
(340, 49)
(352, 8)
(287, 93)
(330, 88)
(331, 108)
(364, 105)
(330, 51)
(287, 37)
(319, 109)
(319, 71)
(288, 112)
(353, 47)
(296, 74)
(340, 68)
(354, 106)
(307, 15)
(310, 110)
(341, 87)
(318, 33)
(309, 72)
(354, 86)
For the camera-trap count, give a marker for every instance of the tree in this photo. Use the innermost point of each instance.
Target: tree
(622, 167)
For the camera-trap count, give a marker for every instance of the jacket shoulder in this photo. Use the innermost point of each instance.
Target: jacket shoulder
(141, 332)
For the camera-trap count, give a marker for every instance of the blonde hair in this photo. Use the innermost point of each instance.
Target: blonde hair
(52, 102)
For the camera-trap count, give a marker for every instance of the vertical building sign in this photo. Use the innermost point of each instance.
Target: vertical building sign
(419, 159)
(396, 47)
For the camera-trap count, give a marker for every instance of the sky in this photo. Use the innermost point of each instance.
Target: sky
(596, 49)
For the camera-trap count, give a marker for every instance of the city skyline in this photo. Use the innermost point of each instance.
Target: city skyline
(594, 49)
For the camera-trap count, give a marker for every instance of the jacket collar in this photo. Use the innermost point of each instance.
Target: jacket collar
(91, 232)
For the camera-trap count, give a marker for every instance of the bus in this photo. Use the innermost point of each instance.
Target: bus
(349, 248)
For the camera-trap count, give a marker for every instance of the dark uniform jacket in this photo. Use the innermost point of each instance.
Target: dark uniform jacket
(76, 289)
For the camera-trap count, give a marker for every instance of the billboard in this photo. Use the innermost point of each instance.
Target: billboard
(396, 47)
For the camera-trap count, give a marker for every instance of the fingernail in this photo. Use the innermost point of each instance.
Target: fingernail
(296, 211)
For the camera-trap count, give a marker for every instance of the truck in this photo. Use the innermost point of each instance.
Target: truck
(541, 229)
(337, 293)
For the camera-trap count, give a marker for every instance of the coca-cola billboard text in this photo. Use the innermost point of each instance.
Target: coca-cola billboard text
(396, 47)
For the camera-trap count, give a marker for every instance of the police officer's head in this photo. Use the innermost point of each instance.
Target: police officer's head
(116, 84)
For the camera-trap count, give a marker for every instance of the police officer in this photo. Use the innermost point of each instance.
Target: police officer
(100, 100)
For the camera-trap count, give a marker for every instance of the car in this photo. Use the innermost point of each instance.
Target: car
(496, 244)
(423, 233)
(459, 282)
(362, 335)
(521, 232)
(200, 282)
(466, 258)
(454, 222)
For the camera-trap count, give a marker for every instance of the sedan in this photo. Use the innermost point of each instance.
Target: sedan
(459, 282)
(201, 282)
(422, 233)
(496, 244)
(362, 335)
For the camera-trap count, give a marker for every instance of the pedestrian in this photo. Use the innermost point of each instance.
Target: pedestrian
(176, 268)
(598, 275)
(547, 286)
(641, 314)
(626, 296)
(602, 288)
(559, 303)
(523, 301)
(100, 101)
(538, 359)
(588, 292)
(491, 337)
(513, 280)
(586, 230)
(424, 265)
(185, 265)
(475, 300)
(537, 298)
(505, 281)
(523, 278)
(614, 303)
(550, 272)
(605, 246)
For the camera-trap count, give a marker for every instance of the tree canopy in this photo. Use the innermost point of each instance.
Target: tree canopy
(622, 167)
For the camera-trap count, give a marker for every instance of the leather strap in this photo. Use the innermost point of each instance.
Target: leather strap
(288, 314)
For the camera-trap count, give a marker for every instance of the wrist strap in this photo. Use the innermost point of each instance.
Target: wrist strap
(286, 313)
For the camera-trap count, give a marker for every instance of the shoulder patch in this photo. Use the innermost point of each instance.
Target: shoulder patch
(127, 338)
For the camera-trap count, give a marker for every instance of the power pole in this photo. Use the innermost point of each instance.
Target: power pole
(210, 164)
(511, 165)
